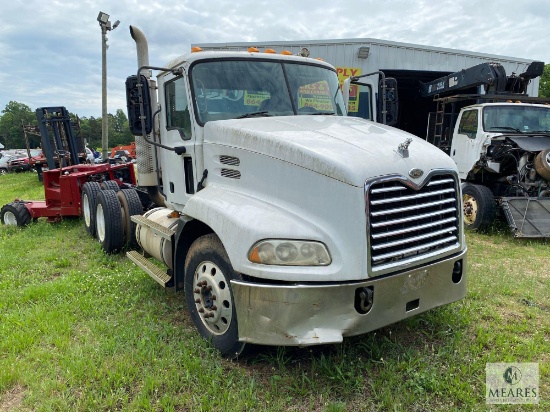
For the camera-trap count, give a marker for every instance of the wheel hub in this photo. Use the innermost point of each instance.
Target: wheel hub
(100, 223)
(86, 209)
(469, 209)
(212, 297)
(10, 219)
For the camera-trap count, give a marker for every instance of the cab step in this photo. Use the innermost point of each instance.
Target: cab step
(150, 268)
(160, 230)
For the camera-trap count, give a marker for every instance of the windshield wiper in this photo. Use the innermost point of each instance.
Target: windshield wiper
(322, 114)
(505, 128)
(254, 114)
(539, 131)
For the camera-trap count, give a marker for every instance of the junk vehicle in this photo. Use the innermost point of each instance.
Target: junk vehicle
(389, 83)
(501, 145)
(500, 141)
(284, 221)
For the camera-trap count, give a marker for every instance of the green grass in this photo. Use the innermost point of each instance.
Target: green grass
(83, 331)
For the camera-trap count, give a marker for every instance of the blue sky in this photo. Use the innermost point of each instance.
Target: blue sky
(51, 51)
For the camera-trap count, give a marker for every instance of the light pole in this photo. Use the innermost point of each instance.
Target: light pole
(105, 24)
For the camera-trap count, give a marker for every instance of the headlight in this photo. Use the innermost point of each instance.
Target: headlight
(290, 253)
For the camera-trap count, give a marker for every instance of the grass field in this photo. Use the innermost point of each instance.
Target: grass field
(82, 331)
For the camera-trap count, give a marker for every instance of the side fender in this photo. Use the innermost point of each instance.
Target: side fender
(240, 220)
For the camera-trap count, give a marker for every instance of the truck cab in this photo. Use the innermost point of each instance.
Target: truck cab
(284, 221)
(502, 151)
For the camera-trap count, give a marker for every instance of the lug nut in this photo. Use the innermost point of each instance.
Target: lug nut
(197, 301)
(197, 291)
(201, 310)
(209, 288)
(214, 307)
(213, 297)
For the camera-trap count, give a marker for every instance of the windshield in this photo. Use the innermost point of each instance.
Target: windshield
(230, 89)
(519, 119)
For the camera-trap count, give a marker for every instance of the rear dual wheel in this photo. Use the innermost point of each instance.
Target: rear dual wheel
(109, 225)
(90, 191)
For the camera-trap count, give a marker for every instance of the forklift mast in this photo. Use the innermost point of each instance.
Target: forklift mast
(57, 136)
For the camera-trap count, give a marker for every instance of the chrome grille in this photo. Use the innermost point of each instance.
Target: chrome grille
(406, 223)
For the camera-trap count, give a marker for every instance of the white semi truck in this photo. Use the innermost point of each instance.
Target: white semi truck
(284, 221)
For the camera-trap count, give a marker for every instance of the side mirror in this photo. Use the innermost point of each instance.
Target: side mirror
(345, 92)
(133, 103)
(391, 102)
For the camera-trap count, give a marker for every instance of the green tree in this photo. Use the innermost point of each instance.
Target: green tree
(13, 117)
(544, 84)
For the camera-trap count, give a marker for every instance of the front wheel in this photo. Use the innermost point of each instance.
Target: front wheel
(478, 206)
(208, 295)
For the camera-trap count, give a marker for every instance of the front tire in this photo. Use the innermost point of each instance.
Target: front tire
(15, 214)
(208, 294)
(478, 206)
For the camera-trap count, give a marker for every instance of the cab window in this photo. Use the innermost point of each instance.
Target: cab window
(177, 103)
(468, 123)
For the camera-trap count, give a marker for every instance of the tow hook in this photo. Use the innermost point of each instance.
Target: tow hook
(364, 298)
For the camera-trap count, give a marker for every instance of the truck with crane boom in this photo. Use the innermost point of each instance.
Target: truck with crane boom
(283, 221)
(499, 138)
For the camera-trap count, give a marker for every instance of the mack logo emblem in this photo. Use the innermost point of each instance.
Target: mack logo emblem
(416, 173)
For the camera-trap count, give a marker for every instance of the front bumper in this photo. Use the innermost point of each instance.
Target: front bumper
(310, 314)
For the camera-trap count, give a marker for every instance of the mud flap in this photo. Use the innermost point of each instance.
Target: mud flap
(527, 216)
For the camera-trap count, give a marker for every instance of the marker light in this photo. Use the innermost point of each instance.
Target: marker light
(286, 53)
(253, 50)
(289, 253)
(271, 51)
(196, 49)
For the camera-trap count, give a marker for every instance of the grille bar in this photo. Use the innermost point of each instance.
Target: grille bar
(415, 228)
(407, 223)
(440, 242)
(411, 208)
(411, 197)
(413, 218)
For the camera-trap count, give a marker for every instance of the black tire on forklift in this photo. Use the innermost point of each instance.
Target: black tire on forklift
(130, 205)
(478, 206)
(88, 205)
(110, 185)
(109, 225)
(15, 214)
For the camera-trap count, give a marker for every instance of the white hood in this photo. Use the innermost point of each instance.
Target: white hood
(348, 149)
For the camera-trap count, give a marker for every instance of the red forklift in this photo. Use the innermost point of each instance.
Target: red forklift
(104, 194)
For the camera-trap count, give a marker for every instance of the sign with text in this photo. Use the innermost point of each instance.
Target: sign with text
(512, 383)
(343, 74)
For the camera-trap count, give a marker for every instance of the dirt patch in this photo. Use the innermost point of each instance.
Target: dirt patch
(12, 399)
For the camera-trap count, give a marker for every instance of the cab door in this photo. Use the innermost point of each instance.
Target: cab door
(467, 141)
(176, 130)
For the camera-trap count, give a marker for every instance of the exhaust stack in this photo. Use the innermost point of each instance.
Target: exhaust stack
(144, 151)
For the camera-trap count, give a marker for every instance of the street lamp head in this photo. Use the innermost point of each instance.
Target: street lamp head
(116, 24)
(102, 18)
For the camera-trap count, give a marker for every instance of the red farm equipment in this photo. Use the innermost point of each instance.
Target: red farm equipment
(76, 189)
